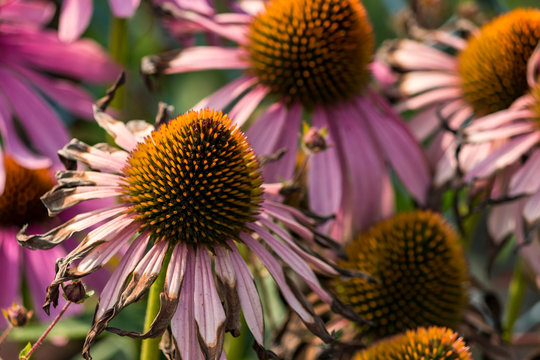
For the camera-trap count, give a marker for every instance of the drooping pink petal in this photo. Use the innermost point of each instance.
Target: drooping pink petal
(10, 260)
(109, 160)
(503, 156)
(70, 96)
(74, 19)
(267, 129)
(531, 211)
(112, 290)
(527, 179)
(117, 129)
(420, 81)
(247, 104)
(223, 265)
(293, 260)
(183, 321)
(35, 13)
(249, 298)
(224, 96)
(42, 124)
(324, 174)
(283, 168)
(502, 221)
(277, 273)
(501, 133)
(124, 8)
(429, 98)
(496, 119)
(411, 55)
(200, 6)
(208, 311)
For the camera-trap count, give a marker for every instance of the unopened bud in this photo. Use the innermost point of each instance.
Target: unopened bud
(75, 292)
(315, 140)
(17, 315)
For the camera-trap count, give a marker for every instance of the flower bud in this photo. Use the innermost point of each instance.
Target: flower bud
(75, 292)
(17, 315)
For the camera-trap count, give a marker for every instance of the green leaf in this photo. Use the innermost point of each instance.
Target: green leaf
(24, 352)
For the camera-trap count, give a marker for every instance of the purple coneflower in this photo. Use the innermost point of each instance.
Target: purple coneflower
(191, 192)
(312, 57)
(75, 15)
(28, 54)
(473, 78)
(514, 163)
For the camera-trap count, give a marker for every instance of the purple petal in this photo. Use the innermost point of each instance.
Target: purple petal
(74, 19)
(527, 179)
(267, 129)
(10, 260)
(224, 96)
(176, 269)
(247, 104)
(124, 8)
(36, 13)
(531, 211)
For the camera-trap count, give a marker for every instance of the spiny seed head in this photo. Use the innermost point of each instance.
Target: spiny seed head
(434, 343)
(493, 66)
(194, 180)
(420, 266)
(20, 203)
(312, 51)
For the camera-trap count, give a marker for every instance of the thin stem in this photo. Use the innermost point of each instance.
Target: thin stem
(6, 333)
(516, 294)
(150, 347)
(44, 335)
(119, 50)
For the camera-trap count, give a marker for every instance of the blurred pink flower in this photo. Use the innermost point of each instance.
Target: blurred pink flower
(451, 81)
(319, 67)
(28, 55)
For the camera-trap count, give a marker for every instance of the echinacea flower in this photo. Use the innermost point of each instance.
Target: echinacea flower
(313, 57)
(434, 343)
(20, 204)
(473, 78)
(29, 55)
(422, 274)
(190, 189)
(76, 14)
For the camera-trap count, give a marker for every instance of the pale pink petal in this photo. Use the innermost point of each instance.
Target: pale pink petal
(501, 133)
(289, 221)
(42, 124)
(531, 211)
(117, 129)
(183, 323)
(277, 273)
(10, 260)
(200, 6)
(224, 96)
(420, 81)
(471, 155)
(247, 104)
(293, 260)
(74, 19)
(502, 221)
(208, 312)
(96, 158)
(383, 74)
(497, 119)
(324, 174)
(266, 130)
(503, 156)
(429, 98)
(176, 269)
(36, 13)
(249, 298)
(527, 179)
(233, 18)
(425, 122)
(124, 8)
(283, 168)
(411, 55)
(223, 266)
(114, 286)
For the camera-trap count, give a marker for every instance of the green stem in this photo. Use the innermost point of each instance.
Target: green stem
(516, 294)
(119, 50)
(150, 347)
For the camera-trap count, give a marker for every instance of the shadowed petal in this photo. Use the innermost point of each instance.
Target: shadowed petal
(74, 19)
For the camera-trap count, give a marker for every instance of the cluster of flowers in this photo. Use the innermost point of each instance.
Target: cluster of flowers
(192, 205)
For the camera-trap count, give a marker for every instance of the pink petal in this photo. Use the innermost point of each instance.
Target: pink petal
(277, 273)
(420, 81)
(41, 123)
(36, 13)
(117, 129)
(200, 6)
(283, 168)
(324, 175)
(176, 269)
(247, 104)
(531, 211)
(124, 8)
(74, 19)
(183, 321)
(112, 290)
(501, 133)
(502, 221)
(411, 55)
(527, 179)
(208, 311)
(223, 266)
(503, 156)
(249, 298)
(224, 96)
(429, 98)
(497, 119)
(10, 262)
(267, 129)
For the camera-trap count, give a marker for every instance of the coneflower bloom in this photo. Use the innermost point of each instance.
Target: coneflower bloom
(75, 15)
(434, 343)
(514, 162)
(29, 54)
(468, 79)
(20, 204)
(406, 254)
(192, 189)
(313, 57)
